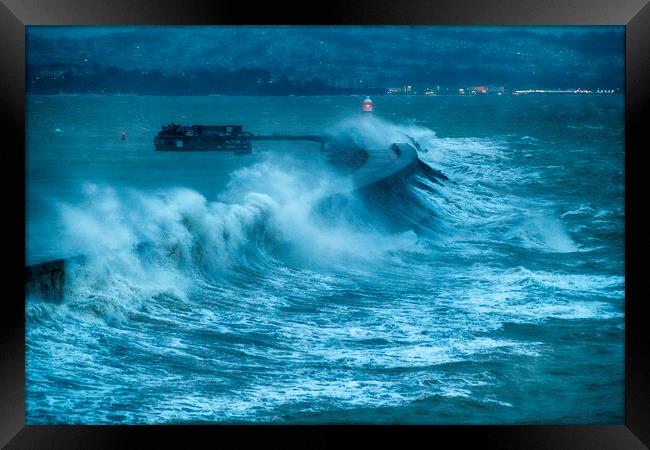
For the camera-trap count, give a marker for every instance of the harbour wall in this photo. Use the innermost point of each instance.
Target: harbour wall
(46, 280)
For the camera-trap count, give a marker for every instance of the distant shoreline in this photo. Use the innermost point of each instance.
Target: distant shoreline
(134, 94)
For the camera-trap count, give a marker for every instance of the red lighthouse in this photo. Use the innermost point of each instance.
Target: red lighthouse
(367, 105)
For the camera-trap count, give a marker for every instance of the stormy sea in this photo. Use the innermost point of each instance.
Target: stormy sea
(267, 292)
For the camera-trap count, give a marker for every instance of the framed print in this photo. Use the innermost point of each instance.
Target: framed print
(381, 220)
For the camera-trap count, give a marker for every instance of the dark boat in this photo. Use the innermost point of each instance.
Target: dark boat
(180, 138)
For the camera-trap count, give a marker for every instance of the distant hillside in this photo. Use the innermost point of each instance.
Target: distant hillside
(335, 57)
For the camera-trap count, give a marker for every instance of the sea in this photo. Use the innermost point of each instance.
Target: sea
(495, 296)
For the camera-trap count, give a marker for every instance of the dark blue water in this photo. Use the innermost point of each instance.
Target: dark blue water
(494, 297)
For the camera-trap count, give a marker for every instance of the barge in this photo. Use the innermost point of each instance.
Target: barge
(175, 137)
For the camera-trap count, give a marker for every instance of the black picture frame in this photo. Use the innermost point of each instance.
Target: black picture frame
(634, 14)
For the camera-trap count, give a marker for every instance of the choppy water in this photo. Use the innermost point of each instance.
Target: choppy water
(494, 297)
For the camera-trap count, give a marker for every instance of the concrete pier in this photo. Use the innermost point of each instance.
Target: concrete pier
(45, 280)
(384, 165)
(321, 139)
